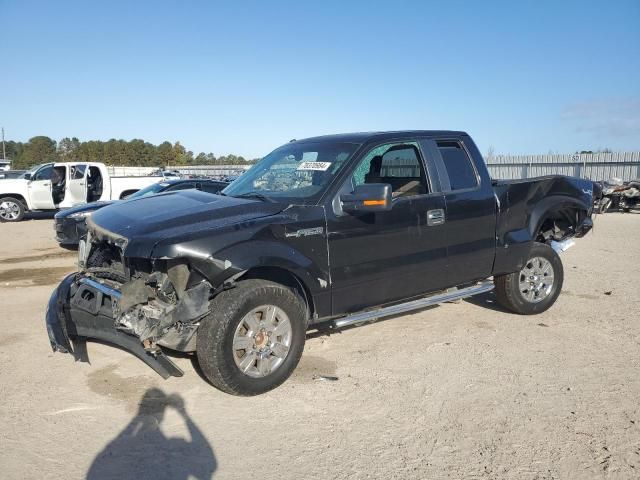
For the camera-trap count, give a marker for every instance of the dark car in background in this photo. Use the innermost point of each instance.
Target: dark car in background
(70, 224)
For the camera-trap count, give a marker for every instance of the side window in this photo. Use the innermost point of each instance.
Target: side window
(212, 187)
(77, 172)
(44, 173)
(181, 186)
(396, 164)
(460, 170)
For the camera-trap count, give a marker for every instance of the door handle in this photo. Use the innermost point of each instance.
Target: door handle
(435, 217)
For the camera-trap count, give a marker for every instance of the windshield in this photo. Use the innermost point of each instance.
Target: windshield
(150, 190)
(294, 172)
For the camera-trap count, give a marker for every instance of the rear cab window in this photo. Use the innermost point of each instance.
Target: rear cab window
(460, 169)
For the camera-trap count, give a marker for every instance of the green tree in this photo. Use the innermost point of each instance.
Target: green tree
(120, 152)
(39, 149)
(166, 154)
(67, 149)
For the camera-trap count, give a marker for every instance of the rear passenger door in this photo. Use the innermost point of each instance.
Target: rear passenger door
(470, 211)
(77, 190)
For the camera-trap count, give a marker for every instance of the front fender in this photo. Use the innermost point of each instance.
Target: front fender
(239, 258)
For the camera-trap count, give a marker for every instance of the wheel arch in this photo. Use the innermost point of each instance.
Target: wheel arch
(515, 244)
(17, 196)
(284, 277)
(564, 213)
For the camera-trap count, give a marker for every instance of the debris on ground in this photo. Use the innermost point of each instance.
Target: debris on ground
(325, 378)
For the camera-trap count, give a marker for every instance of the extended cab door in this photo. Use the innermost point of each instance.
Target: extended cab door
(39, 189)
(470, 209)
(77, 185)
(379, 257)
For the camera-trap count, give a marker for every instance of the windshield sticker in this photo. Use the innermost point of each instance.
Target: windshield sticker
(317, 166)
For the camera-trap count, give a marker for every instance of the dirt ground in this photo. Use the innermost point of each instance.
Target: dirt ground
(456, 391)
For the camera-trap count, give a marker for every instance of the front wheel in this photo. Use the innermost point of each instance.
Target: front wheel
(253, 337)
(534, 288)
(11, 210)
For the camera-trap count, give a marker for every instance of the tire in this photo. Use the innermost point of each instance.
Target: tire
(11, 209)
(226, 323)
(526, 301)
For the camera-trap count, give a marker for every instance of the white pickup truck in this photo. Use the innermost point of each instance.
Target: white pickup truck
(52, 186)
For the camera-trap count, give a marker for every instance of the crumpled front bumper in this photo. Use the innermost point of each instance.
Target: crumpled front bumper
(80, 309)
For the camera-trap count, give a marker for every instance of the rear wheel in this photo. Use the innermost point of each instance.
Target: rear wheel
(11, 210)
(534, 288)
(253, 337)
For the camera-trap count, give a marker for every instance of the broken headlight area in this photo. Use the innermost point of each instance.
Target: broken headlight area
(152, 308)
(160, 303)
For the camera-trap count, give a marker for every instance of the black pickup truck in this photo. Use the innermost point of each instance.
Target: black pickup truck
(323, 232)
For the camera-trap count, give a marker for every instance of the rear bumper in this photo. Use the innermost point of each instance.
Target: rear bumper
(80, 309)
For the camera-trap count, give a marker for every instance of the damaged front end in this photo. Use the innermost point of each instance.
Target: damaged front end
(139, 305)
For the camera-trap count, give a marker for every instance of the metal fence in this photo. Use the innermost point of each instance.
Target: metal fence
(211, 170)
(130, 171)
(593, 166)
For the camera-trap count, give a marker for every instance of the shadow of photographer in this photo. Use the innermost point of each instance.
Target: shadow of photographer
(142, 450)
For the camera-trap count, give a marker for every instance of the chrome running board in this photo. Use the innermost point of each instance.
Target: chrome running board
(447, 296)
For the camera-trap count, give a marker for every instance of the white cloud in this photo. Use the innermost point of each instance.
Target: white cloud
(611, 117)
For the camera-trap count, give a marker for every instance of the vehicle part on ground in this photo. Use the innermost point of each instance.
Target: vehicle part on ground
(11, 209)
(536, 286)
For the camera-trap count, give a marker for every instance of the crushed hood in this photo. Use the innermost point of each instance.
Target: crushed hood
(144, 222)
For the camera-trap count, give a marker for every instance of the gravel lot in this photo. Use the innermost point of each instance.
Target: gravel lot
(457, 391)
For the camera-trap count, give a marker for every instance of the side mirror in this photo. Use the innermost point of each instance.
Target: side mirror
(27, 176)
(371, 197)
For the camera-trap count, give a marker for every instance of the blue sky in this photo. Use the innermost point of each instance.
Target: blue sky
(245, 77)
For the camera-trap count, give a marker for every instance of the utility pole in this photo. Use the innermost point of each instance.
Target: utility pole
(4, 153)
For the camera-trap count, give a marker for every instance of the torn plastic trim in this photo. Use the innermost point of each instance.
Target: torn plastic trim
(55, 317)
(63, 329)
